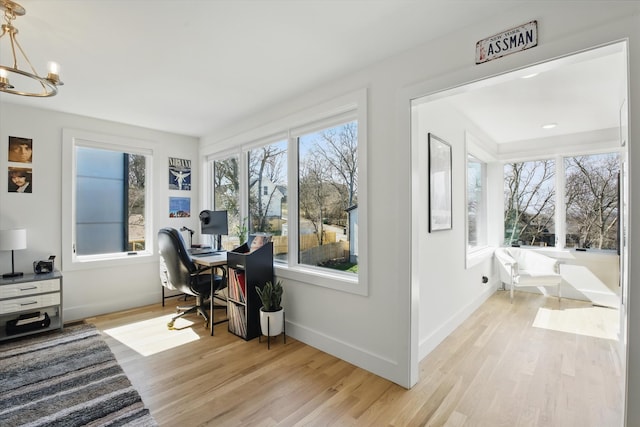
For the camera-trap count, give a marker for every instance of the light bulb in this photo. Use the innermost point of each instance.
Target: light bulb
(54, 68)
(54, 73)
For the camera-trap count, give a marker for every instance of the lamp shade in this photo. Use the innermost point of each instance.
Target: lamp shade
(11, 240)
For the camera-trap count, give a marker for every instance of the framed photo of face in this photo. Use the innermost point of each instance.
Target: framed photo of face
(20, 149)
(20, 180)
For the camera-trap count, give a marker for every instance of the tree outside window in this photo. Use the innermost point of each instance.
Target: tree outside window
(268, 209)
(226, 196)
(327, 197)
(530, 203)
(590, 194)
(592, 201)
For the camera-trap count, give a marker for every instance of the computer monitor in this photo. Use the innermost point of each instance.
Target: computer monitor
(216, 223)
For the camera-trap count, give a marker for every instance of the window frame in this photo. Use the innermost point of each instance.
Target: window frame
(72, 138)
(209, 196)
(294, 206)
(560, 193)
(352, 106)
(481, 212)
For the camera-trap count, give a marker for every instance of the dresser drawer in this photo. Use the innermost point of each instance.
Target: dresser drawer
(29, 303)
(29, 288)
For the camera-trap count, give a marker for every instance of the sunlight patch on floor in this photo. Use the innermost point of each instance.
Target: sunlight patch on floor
(152, 336)
(598, 322)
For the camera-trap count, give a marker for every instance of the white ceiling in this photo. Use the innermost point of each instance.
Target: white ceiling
(192, 67)
(581, 94)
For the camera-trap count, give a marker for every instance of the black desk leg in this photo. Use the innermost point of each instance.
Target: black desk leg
(211, 298)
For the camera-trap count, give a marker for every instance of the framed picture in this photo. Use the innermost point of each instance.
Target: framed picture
(179, 174)
(179, 207)
(439, 184)
(20, 149)
(20, 180)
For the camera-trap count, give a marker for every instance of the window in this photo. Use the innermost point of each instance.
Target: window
(529, 203)
(328, 197)
(105, 199)
(268, 209)
(311, 164)
(476, 203)
(587, 184)
(110, 201)
(226, 197)
(591, 200)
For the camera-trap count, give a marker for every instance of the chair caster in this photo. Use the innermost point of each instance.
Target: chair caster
(170, 325)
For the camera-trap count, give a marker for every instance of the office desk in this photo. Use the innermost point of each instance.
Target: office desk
(213, 260)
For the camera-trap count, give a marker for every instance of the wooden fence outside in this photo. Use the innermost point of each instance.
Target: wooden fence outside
(307, 241)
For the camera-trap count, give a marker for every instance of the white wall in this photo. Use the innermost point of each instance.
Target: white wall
(459, 289)
(93, 291)
(381, 332)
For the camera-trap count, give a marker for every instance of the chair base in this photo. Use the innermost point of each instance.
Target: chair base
(184, 310)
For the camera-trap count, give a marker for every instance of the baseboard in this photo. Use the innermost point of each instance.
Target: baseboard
(427, 345)
(375, 363)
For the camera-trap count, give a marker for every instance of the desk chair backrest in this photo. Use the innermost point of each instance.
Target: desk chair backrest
(176, 267)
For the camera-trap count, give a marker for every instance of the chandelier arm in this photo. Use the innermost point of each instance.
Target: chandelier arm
(24, 55)
(13, 40)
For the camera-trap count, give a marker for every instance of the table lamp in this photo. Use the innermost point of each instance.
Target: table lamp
(11, 240)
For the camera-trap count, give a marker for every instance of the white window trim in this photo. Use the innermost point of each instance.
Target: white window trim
(351, 105)
(560, 189)
(72, 138)
(207, 193)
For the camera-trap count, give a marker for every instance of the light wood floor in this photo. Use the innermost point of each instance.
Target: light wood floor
(497, 369)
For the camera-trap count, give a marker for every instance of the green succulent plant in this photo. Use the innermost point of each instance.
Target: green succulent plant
(241, 230)
(271, 296)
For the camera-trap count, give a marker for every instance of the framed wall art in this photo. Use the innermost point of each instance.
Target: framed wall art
(440, 184)
(179, 207)
(179, 174)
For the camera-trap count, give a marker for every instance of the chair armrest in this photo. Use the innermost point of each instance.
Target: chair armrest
(507, 266)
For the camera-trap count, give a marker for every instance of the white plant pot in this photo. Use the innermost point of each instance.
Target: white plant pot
(275, 323)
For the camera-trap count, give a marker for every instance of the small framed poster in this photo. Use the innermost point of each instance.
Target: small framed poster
(179, 174)
(20, 149)
(179, 207)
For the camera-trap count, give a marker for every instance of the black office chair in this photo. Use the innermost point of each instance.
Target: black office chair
(178, 272)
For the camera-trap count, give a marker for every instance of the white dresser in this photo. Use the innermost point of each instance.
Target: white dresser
(29, 294)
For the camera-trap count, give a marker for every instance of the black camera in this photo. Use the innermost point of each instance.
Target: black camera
(46, 266)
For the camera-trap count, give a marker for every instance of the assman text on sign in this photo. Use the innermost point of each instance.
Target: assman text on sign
(510, 41)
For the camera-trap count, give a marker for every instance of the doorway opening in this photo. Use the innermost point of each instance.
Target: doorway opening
(570, 111)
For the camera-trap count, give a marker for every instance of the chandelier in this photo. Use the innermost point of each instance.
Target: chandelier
(25, 82)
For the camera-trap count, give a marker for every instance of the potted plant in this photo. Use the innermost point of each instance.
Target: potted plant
(271, 312)
(241, 230)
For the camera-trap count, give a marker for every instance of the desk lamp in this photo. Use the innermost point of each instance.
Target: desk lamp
(11, 240)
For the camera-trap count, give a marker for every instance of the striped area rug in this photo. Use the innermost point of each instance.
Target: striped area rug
(68, 378)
